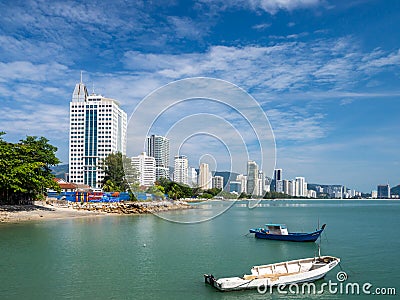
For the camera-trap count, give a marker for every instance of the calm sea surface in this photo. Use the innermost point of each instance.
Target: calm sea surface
(147, 257)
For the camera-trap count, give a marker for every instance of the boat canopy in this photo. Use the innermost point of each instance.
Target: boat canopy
(276, 225)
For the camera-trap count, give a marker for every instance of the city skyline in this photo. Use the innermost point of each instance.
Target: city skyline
(324, 72)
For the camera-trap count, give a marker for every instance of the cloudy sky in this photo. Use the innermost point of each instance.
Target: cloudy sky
(326, 73)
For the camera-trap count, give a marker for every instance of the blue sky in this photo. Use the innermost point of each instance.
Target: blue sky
(325, 72)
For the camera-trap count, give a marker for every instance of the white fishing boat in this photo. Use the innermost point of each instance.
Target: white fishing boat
(283, 273)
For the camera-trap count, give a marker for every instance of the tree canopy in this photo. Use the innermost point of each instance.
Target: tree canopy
(120, 175)
(25, 169)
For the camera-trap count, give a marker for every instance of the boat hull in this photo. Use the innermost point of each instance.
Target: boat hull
(261, 233)
(248, 282)
(291, 237)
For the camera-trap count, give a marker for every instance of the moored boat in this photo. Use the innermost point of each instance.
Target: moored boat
(280, 232)
(283, 273)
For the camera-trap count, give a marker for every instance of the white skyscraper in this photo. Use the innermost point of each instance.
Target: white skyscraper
(192, 177)
(301, 187)
(204, 177)
(181, 170)
(243, 182)
(158, 147)
(252, 178)
(146, 169)
(97, 128)
(261, 184)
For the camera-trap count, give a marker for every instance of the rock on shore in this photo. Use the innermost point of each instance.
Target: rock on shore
(132, 207)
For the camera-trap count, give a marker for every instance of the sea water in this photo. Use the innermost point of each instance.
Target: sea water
(147, 257)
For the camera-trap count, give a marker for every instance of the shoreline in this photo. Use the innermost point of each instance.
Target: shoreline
(56, 210)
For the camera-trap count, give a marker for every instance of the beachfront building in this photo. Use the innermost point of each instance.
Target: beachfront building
(218, 182)
(204, 178)
(252, 178)
(97, 128)
(158, 147)
(181, 169)
(145, 166)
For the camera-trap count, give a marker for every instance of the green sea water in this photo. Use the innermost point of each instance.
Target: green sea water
(147, 257)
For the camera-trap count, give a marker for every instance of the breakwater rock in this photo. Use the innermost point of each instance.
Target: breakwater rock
(132, 207)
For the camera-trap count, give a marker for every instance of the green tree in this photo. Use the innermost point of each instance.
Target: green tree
(119, 174)
(26, 172)
(156, 190)
(242, 195)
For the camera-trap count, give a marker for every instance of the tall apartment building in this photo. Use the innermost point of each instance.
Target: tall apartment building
(204, 177)
(261, 190)
(158, 147)
(97, 128)
(218, 182)
(301, 187)
(145, 167)
(181, 169)
(252, 178)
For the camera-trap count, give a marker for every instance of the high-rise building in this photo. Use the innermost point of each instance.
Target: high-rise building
(204, 177)
(97, 128)
(243, 183)
(278, 180)
(218, 182)
(286, 186)
(301, 187)
(252, 178)
(192, 177)
(261, 184)
(158, 147)
(145, 167)
(181, 166)
(383, 191)
(292, 187)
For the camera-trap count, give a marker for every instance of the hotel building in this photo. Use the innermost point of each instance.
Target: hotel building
(97, 128)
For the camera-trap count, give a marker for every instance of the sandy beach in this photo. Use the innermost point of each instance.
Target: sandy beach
(52, 210)
(41, 211)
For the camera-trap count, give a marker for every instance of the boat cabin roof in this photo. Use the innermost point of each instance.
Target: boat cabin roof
(282, 226)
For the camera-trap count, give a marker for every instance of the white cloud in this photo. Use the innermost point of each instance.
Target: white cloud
(273, 6)
(262, 26)
(269, 6)
(36, 119)
(27, 71)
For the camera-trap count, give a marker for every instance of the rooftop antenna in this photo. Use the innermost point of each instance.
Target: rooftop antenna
(81, 75)
(93, 88)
